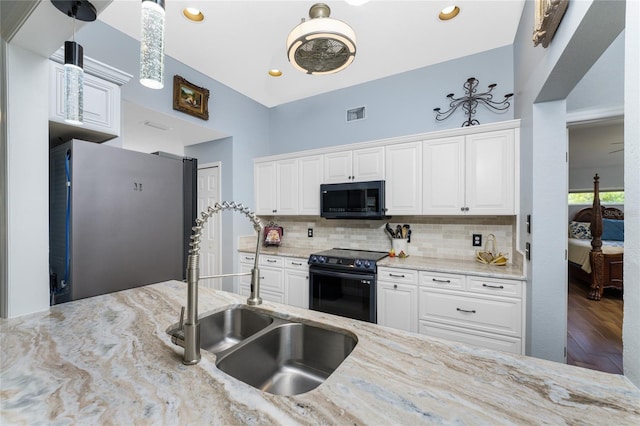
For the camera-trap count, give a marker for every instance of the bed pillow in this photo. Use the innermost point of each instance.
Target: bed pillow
(612, 230)
(580, 230)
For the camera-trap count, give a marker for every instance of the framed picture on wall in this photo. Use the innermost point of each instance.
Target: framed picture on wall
(549, 13)
(190, 99)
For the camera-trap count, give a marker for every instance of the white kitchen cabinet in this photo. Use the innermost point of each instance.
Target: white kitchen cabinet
(397, 298)
(296, 282)
(354, 166)
(310, 177)
(101, 107)
(403, 186)
(276, 187)
(282, 280)
(471, 174)
(488, 312)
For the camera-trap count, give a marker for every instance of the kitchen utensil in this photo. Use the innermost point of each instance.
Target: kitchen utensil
(409, 236)
(387, 227)
(405, 231)
(398, 231)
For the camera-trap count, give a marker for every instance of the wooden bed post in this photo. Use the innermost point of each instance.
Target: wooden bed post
(596, 256)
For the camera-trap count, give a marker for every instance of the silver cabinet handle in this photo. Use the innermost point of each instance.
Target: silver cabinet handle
(465, 310)
(249, 258)
(435, 280)
(397, 276)
(296, 263)
(492, 286)
(272, 261)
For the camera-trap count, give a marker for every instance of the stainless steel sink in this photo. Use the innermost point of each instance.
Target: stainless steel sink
(272, 353)
(222, 330)
(288, 359)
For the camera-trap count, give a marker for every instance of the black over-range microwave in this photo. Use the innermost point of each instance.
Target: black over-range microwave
(354, 200)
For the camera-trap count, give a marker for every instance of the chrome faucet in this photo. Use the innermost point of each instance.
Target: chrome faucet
(191, 326)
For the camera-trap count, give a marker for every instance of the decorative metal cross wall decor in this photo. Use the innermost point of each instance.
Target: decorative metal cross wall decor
(470, 101)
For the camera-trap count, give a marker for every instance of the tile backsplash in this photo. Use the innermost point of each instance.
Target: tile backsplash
(436, 237)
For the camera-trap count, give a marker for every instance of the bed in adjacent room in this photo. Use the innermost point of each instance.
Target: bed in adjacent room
(596, 246)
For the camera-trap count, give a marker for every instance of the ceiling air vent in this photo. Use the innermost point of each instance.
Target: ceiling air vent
(355, 114)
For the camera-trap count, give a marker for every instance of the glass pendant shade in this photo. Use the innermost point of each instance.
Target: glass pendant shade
(152, 44)
(73, 83)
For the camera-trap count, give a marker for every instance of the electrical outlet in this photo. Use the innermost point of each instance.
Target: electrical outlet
(310, 232)
(477, 240)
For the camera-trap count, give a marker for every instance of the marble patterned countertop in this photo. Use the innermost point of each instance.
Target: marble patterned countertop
(108, 360)
(451, 266)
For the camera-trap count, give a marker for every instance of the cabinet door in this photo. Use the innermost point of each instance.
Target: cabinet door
(296, 288)
(338, 167)
(490, 175)
(287, 187)
(264, 184)
(403, 191)
(310, 176)
(398, 306)
(443, 182)
(368, 164)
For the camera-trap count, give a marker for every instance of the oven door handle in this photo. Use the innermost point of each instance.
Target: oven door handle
(346, 275)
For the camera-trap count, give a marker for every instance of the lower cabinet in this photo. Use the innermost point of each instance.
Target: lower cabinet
(397, 301)
(487, 312)
(282, 280)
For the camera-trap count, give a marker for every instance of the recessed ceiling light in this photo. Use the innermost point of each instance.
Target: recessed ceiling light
(193, 14)
(449, 13)
(275, 73)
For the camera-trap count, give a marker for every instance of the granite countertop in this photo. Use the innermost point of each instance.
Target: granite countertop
(108, 359)
(451, 266)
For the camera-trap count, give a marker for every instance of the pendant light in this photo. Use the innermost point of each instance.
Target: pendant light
(73, 60)
(321, 45)
(152, 44)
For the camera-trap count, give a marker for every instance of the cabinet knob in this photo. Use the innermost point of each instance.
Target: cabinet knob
(466, 209)
(461, 209)
(395, 286)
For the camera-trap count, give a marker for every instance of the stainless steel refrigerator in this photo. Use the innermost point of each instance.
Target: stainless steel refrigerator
(118, 218)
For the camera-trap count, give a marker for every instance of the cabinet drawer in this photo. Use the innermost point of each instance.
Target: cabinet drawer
(439, 280)
(271, 261)
(398, 275)
(494, 315)
(271, 279)
(295, 263)
(486, 340)
(494, 286)
(247, 258)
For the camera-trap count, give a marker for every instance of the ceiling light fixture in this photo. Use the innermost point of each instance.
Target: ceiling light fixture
(275, 73)
(152, 44)
(193, 14)
(321, 45)
(73, 60)
(449, 13)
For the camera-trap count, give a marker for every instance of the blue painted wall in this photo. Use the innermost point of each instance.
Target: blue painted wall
(395, 106)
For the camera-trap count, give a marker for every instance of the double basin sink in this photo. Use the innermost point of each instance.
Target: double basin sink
(269, 352)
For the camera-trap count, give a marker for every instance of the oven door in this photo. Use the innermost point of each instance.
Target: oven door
(348, 294)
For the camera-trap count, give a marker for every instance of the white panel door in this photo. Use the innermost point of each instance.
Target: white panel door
(310, 172)
(443, 176)
(398, 306)
(368, 164)
(338, 167)
(264, 184)
(287, 187)
(208, 195)
(403, 192)
(490, 176)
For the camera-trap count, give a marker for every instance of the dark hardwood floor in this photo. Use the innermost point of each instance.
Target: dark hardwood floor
(594, 329)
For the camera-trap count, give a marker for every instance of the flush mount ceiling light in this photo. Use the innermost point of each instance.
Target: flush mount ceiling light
(152, 44)
(449, 13)
(321, 45)
(73, 61)
(275, 73)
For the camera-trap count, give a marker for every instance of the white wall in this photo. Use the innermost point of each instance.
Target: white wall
(631, 324)
(28, 182)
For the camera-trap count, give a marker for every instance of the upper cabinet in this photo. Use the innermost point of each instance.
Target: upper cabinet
(472, 174)
(101, 102)
(276, 187)
(403, 186)
(354, 166)
(310, 176)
